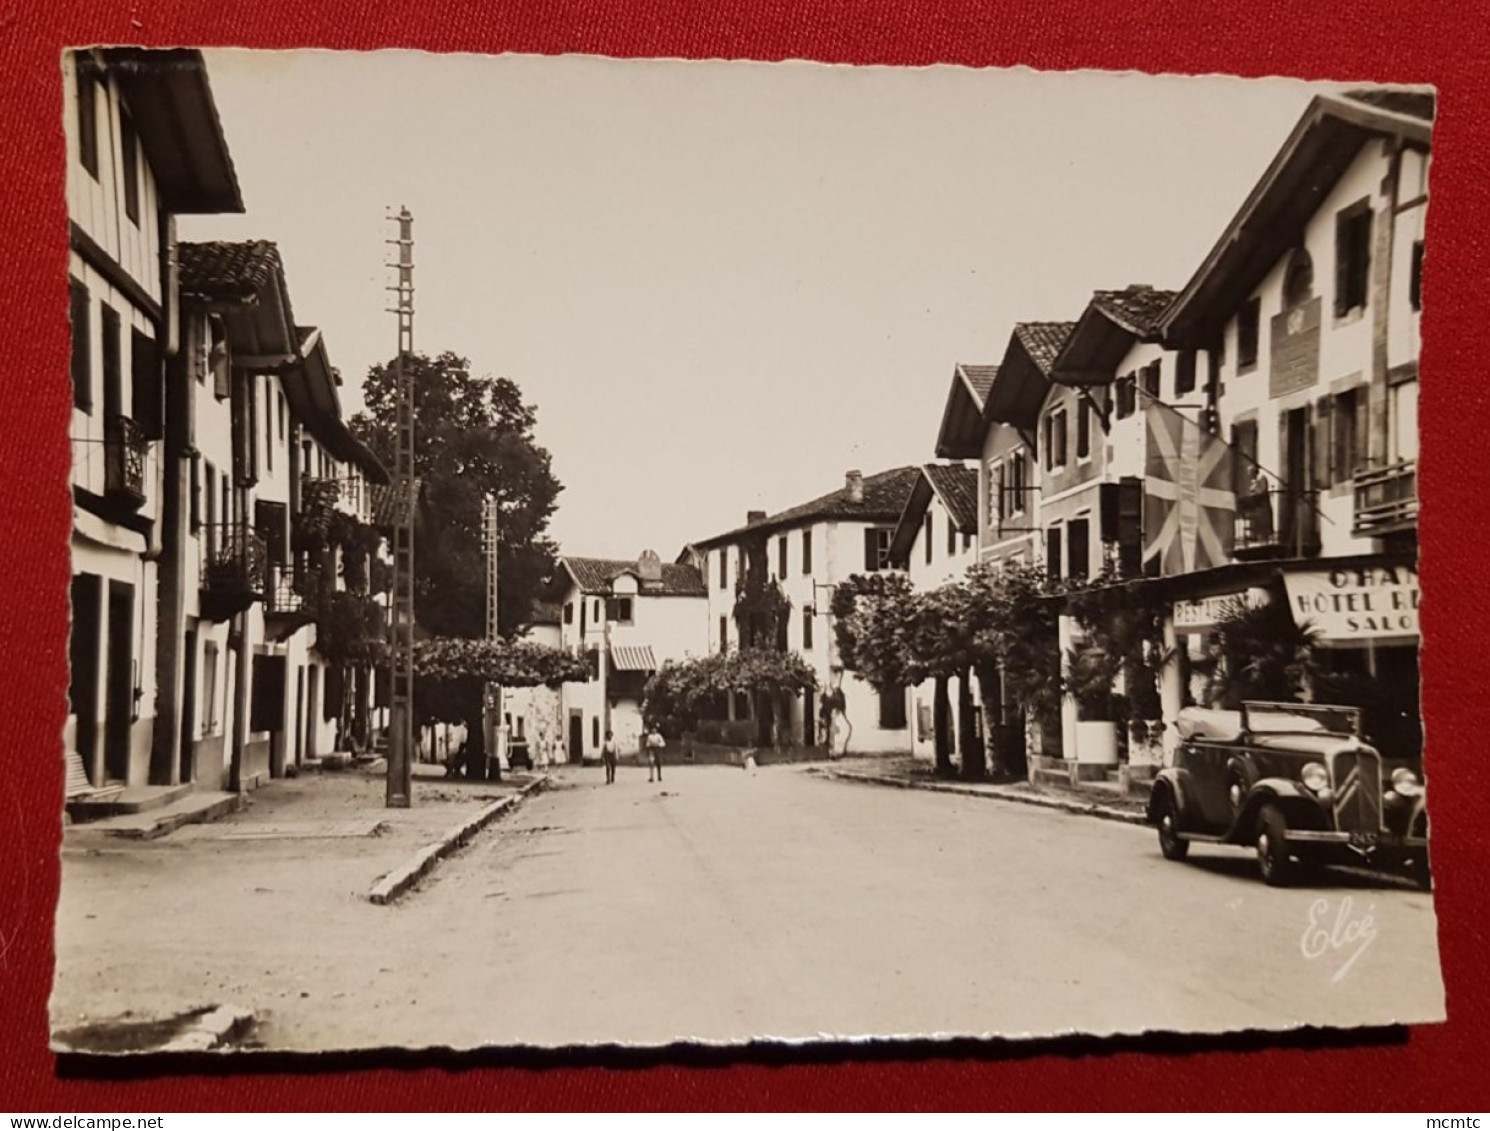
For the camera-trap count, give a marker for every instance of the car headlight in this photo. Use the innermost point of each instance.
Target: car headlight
(1315, 777)
(1406, 782)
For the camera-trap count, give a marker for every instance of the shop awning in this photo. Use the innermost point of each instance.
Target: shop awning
(632, 658)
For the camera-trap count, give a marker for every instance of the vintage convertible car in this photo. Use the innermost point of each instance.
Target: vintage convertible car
(1298, 783)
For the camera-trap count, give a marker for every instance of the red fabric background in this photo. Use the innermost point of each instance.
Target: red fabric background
(1444, 42)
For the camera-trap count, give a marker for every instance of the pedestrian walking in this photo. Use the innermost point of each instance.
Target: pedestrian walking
(608, 756)
(560, 754)
(655, 743)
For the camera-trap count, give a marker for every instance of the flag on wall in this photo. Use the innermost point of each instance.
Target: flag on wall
(1189, 505)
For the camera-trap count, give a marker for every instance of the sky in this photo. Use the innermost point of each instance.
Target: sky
(723, 284)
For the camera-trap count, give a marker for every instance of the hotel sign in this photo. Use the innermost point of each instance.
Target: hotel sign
(1366, 604)
(1208, 612)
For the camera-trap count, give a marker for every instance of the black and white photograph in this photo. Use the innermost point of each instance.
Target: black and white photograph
(576, 551)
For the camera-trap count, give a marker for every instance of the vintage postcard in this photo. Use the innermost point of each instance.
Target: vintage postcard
(531, 513)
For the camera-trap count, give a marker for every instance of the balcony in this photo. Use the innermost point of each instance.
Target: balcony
(291, 598)
(1276, 522)
(1386, 499)
(233, 569)
(125, 451)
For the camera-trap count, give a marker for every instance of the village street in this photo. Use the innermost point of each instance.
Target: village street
(718, 905)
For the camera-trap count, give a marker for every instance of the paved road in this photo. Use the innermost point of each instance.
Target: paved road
(723, 905)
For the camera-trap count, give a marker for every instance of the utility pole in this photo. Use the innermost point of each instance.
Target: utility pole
(401, 716)
(490, 545)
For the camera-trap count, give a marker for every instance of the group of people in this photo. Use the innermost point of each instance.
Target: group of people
(653, 745)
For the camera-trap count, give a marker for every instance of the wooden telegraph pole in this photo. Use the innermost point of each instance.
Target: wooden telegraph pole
(401, 720)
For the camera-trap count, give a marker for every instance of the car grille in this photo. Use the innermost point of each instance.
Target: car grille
(1357, 777)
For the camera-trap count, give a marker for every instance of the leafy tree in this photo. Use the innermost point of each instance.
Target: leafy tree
(678, 694)
(1263, 653)
(473, 437)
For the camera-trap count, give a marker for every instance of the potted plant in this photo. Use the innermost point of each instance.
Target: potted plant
(1090, 673)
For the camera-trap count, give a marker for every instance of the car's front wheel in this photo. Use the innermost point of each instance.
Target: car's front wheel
(1171, 844)
(1273, 860)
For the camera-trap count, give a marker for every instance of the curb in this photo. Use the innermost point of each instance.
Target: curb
(993, 793)
(402, 878)
(164, 826)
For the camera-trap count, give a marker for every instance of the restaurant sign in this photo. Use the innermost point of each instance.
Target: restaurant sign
(1208, 612)
(1364, 604)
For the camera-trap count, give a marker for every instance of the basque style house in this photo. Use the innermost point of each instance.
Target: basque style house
(628, 618)
(806, 550)
(144, 146)
(209, 454)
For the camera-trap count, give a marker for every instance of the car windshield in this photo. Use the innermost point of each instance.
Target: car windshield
(1301, 718)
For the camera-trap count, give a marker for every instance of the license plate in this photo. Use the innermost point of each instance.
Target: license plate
(1364, 841)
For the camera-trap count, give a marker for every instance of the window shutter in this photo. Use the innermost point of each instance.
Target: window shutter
(871, 551)
(1321, 438)
(1342, 265)
(148, 406)
(996, 504)
(1362, 458)
(268, 708)
(82, 352)
(1363, 257)
(196, 492)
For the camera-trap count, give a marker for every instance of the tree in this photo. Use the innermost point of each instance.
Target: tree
(473, 437)
(451, 675)
(678, 694)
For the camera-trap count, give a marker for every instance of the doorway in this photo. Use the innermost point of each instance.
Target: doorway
(119, 693)
(83, 653)
(312, 710)
(809, 717)
(576, 735)
(186, 767)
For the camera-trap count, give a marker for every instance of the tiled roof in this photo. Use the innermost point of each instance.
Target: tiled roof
(980, 379)
(1043, 340)
(885, 496)
(1137, 308)
(232, 272)
(594, 575)
(958, 487)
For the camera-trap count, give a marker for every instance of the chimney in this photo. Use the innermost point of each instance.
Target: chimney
(853, 483)
(649, 566)
(753, 517)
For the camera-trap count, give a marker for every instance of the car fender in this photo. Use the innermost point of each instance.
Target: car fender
(1301, 809)
(1170, 782)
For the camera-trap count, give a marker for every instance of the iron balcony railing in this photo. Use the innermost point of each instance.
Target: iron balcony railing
(290, 591)
(233, 560)
(1386, 498)
(126, 448)
(1276, 522)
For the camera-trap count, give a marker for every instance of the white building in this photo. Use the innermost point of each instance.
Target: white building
(144, 145)
(807, 550)
(628, 618)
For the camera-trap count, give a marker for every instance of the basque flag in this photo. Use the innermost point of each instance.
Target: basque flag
(1189, 505)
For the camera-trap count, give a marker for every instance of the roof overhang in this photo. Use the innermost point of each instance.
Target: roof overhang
(1018, 391)
(310, 387)
(1094, 349)
(1321, 147)
(911, 518)
(170, 102)
(961, 432)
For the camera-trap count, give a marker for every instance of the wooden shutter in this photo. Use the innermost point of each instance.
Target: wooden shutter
(996, 489)
(196, 492)
(148, 390)
(1362, 458)
(871, 550)
(1321, 445)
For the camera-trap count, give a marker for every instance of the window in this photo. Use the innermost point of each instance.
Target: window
(806, 551)
(1415, 278)
(272, 524)
(1352, 258)
(876, 548)
(926, 536)
(1055, 439)
(892, 708)
(209, 687)
(1344, 436)
(583, 607)
(209, 489)
(995, 493)
(1078, 547)
(113, 389)
(1184, 373)
(82, 351)
(783, 633)
(807, 630)
(967, 542)
(620, 610)
(1127, 396)
(217, 357)
(597, 610)
(569, 613)
(1247, 329)
(1018, 484)
(1244, 444)
(951, 537)
(196, 492)
(1151, 377)
(129, 153)
(724, 634)
(594, 730)
(781, 557)
(1053, 552)
(1084, 429)
(724, 568)
(1298, 282)
(87, 87)
(281, 398)
(145, 375)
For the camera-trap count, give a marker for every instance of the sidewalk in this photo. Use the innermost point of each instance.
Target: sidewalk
(306, 848)
(909, 773)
